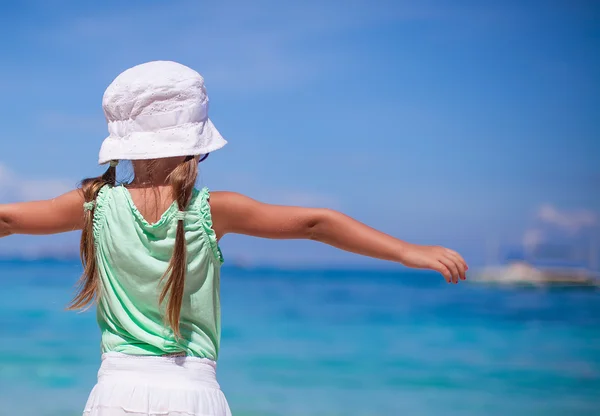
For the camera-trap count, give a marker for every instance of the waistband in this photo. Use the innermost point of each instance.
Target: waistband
(170, 370)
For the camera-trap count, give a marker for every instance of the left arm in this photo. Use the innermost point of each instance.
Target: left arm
(53, 216)
(234, 213)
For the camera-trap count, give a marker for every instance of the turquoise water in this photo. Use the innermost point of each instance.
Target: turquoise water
(331, 343)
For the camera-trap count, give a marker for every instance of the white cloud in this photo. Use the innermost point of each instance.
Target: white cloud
(14, 187)
(551, 220)
(570, 221)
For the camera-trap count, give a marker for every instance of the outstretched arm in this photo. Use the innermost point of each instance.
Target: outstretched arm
(235, 213)
(58, 215)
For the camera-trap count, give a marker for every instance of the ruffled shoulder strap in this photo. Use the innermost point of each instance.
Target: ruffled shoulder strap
(201, 205)
(101, 203)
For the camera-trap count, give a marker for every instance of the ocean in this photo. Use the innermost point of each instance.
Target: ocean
(330, 342)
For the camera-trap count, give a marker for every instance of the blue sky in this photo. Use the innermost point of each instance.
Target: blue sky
(438, 122)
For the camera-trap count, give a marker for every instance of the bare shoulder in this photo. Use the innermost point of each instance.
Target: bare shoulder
(225, 208)
(60, 214)
(223, 197)
(236, 213)
(68, 202)
(230, 202)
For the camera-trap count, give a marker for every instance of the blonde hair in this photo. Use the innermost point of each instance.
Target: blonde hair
(182, 180)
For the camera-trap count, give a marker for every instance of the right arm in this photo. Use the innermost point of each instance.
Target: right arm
(235, 213)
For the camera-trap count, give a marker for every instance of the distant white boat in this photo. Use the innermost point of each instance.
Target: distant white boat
(522, 273)
(535, 269)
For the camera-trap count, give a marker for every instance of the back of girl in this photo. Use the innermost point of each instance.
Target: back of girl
(150, 247)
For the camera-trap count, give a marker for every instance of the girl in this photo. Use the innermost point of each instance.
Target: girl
(150, 247)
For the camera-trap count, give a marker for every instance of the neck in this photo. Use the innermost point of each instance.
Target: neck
(154, 172)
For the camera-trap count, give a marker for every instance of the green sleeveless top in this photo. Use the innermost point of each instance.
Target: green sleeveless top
(132, 256)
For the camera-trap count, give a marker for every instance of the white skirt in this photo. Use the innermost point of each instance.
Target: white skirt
(156, 386)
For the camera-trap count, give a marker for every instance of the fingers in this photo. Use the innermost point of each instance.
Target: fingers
(455, 273)
(450, 264)
(458, 261)
(441, 268)
(458, 257)
(462, 267)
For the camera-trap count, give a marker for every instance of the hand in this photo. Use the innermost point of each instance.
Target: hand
(448, 262)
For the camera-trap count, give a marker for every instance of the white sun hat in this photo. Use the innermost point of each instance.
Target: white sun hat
(155, 110)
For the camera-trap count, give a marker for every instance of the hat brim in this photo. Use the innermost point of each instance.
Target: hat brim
(190, 139)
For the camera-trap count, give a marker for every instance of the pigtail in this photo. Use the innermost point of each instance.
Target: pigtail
(87, 292)
(182, 180)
